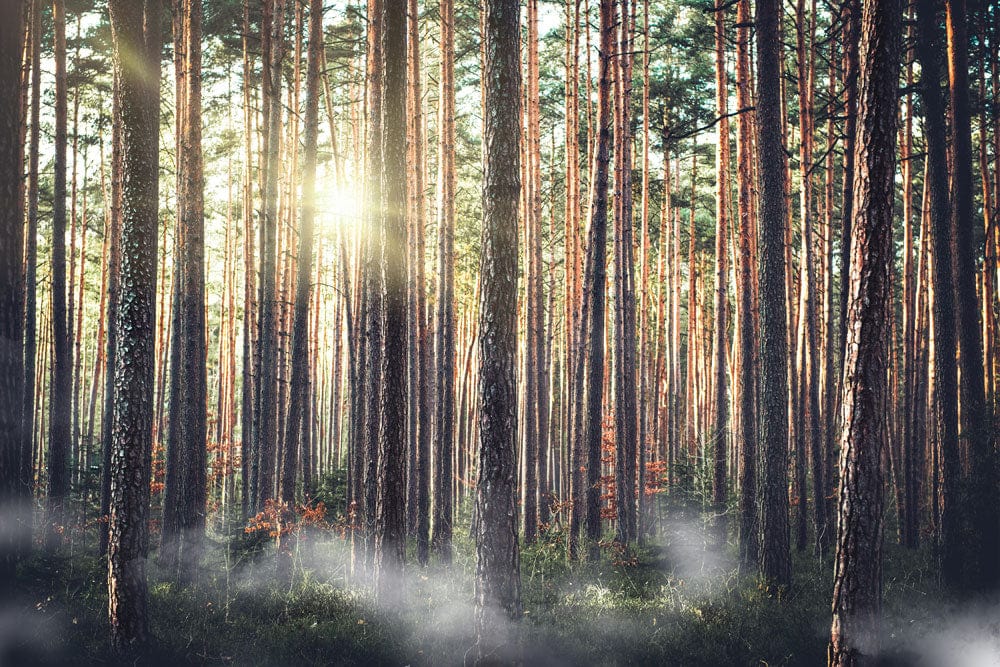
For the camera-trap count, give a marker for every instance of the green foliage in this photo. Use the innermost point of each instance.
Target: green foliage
(672, 601)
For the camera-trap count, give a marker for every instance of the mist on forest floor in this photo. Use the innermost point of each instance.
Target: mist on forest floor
(677, 599)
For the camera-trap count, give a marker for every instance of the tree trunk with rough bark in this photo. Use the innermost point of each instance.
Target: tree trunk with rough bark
(857, 592)
(498, 575)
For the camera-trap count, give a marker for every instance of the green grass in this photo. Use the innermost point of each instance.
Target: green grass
(669, 602)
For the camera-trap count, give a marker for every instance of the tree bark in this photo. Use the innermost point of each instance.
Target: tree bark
(983, 494)
(929, 48)
(588, 374)
(626, 416)
(720, 398)
(11, 286)
(390, 523)
(138, 92)
(857, 593)
(444, 334)
(747, 383)
(498, 576)
(60, 405)
(775, 559)
(266, 435)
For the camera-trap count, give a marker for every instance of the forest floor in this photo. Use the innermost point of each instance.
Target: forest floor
(675, 601)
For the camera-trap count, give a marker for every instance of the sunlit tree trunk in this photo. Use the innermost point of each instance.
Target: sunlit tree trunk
(297, 423)
(747, 383)
(720, 397)
(390, 522)
(138, 93)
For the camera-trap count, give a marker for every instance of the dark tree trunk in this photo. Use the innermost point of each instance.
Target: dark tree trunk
(444, 333)
(60, 405)
(929, 49)
(857, 592)
(983, 493)
(25, 471)
(297, 424)
(498, 576)
(390, 521)
(626, 421)
(11, 248)
(588, 374)
(266, 435)
(775, 558)
(138, 93)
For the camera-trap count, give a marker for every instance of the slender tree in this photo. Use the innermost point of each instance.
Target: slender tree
(444, 332)
(747, 387)
(60, 405)
(266, 435)
(720, 398)
(297, 424)
(626, 415)
(31, 257)
(588, 371)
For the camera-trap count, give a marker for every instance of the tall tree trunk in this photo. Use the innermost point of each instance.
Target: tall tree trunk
(588, 374)
(31, 258)
(929, 49)
(626, 417)
(11, 248)
(266, 435)
(775, 559)
(851, 10)
(532, 301)
(390, 523)
(983, 493)
(444, 333)
(247, 389)
(498, 576)
(720, 398)
(60, 406)
(372, 275)
(114, 294)
(191, 379)
(423, 358)
(131, 460)
(747, 384)
(857, 592)
(297, 423)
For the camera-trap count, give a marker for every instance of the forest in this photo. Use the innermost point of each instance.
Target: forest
(529, 332)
